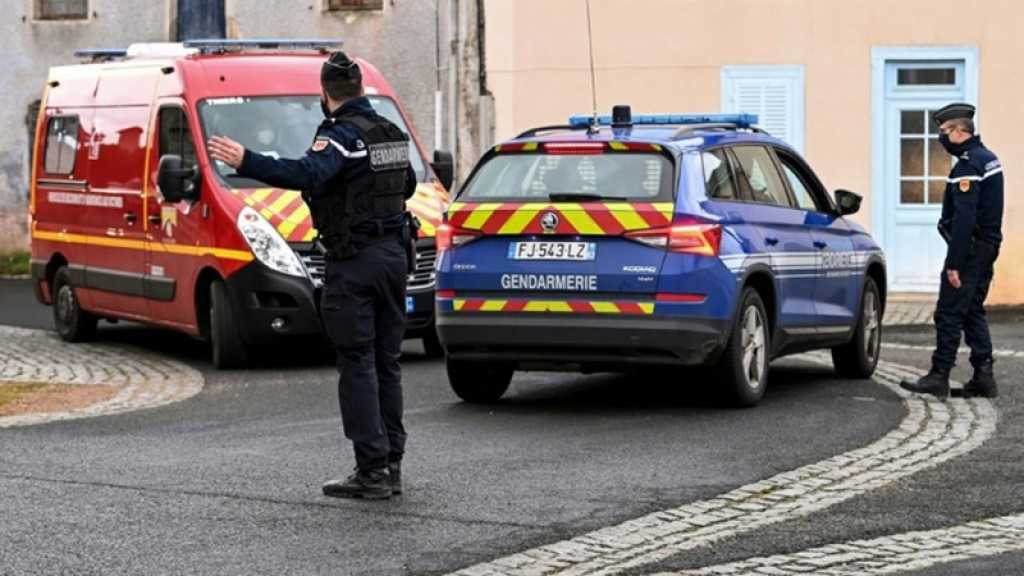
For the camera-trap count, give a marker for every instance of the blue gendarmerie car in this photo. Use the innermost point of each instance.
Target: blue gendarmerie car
(619, 242)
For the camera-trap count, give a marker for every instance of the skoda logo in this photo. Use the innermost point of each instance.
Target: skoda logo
(549, 221)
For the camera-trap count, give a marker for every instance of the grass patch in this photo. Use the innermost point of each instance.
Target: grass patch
(14, 264)
(10, 392)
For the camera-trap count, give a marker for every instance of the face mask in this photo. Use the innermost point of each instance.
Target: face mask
(324, 108)
(949, 146)
(953, 148)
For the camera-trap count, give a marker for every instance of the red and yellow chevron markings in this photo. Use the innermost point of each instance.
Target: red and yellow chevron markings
(288, 212)
(553, 306)
(591, 218)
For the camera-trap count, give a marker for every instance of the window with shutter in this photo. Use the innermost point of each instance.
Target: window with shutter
(774, 93)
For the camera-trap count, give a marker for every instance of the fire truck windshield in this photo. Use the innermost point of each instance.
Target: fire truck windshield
(281, 127)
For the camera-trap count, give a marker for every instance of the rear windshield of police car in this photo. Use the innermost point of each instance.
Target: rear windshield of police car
(527, 177)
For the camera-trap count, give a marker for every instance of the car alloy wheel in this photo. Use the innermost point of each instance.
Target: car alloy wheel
(872, 326)
(753, 343)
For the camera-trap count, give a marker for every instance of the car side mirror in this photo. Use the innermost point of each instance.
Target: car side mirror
(176, 181)
(444, 168)
(847, 202)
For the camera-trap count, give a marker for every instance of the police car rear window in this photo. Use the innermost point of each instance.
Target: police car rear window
(636, 177)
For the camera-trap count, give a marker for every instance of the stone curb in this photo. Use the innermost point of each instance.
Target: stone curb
(146, 380)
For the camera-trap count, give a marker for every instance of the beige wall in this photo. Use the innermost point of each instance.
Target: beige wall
(667, 55)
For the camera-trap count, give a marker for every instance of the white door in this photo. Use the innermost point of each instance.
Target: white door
(916, 167)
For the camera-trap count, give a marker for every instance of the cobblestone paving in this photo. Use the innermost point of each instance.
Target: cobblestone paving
(887, 555)
(146, 380)
(931, 433)
(908, 313)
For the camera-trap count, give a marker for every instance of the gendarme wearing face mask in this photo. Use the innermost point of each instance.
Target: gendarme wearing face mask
(971, 224)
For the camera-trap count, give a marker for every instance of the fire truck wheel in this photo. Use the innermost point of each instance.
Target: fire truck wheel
(432, 344)
(228, 348)
(72, 323)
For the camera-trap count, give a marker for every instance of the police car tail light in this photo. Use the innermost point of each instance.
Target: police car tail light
(447, 236)
(701, 239)
(689, 238)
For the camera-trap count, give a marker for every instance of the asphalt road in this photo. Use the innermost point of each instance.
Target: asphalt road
(228, 482)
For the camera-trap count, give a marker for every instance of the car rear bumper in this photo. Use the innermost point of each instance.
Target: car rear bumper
(587, 341)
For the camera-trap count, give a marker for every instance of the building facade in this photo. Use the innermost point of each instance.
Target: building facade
(849, 84)
(413, 42)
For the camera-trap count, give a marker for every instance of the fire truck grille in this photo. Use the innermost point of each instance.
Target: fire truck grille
(422, 278)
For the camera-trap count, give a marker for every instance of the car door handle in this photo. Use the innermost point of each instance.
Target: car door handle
(820, 245)
(771, 241)
(154, 219)
(130, 217)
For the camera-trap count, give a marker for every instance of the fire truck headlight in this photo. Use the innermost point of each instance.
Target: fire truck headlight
(267, 245)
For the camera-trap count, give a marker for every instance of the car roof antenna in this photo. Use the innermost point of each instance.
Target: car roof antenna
(593, 81)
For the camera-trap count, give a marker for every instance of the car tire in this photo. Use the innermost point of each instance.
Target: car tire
(225, 342)
(859, 357)
(432, 344)
(73, 324)
(477, 382)
(743, 366)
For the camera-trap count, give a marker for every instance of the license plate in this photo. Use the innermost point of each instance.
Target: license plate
(409, 304)
(552, 251)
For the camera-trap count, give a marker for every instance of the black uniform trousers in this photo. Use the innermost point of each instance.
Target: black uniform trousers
(363, 307)
(963, 309)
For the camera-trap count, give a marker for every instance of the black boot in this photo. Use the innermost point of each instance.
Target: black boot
(982, 384)
(371, 485)
(935, 382)
(395, 477)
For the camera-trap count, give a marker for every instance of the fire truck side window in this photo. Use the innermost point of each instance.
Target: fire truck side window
(61, 145)
(175, 137)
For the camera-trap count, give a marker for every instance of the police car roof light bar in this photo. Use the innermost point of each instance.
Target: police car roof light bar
(219, 45)
(736, 120)
(101, 54)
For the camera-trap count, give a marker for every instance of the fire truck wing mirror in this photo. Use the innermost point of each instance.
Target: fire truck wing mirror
(444, 167)
(176, 181)
(847, 202)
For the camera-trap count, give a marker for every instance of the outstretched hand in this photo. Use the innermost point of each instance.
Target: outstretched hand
(226, 150)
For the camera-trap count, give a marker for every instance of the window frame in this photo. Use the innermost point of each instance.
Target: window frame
(63, 131)
(39, 16)
(807, 176)
(374, 6)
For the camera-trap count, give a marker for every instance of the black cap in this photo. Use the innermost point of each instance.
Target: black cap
(340, 67)
(953, 112)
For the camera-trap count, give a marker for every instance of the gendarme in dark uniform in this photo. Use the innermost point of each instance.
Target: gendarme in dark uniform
(971, 224)
(356, 177)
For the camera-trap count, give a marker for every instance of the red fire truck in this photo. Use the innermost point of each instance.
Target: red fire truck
(131, 219)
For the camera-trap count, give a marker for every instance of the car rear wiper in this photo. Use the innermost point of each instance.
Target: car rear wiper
(582, 197)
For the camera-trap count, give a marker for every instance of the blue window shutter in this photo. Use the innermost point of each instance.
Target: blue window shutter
(774, 93)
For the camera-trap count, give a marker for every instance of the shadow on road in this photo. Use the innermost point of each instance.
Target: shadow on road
(651, 391)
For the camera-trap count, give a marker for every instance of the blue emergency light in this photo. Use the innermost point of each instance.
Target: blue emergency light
(98, 54)
(207, 45)
(738, 120)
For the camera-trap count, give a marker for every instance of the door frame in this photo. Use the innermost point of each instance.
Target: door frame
(880, 57)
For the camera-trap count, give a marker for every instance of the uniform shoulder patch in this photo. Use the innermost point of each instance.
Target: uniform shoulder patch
(965, 185)
(321, 143)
